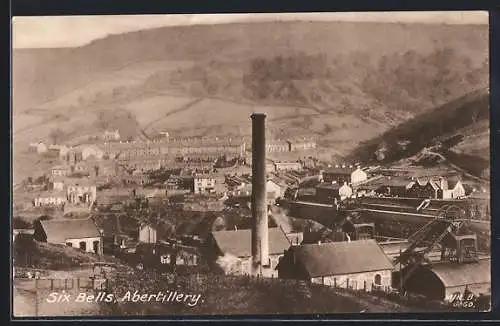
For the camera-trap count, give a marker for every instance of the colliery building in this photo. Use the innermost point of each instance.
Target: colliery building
(441, 281)
(357, 265)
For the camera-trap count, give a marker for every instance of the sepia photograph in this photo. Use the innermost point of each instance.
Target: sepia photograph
(269, 164)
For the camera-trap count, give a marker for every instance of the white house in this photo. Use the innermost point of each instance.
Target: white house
(358, 176)
(345, 191)
(147, 234)
(452, 189)
(50, 198)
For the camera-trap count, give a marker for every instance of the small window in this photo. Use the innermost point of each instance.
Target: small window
(69, 244)
(378, 279)
(83, 245)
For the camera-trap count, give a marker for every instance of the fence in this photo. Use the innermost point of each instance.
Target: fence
(67, 284)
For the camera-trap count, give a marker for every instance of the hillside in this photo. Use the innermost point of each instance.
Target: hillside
(244, 295)
(457, 132)
(340, 82)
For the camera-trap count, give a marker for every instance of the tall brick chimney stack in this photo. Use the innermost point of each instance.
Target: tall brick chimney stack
(260, 234)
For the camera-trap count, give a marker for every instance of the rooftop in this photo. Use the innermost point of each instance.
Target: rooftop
(340, 258)
(461, 274)
(340, 170)
(58, 231)
(239, 242)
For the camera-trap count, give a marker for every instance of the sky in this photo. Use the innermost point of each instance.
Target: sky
(72, 31)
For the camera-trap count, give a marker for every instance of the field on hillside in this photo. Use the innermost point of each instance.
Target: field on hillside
(343, 83)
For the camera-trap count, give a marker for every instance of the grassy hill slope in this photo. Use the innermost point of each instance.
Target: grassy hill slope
(340, 82)
(458, 130)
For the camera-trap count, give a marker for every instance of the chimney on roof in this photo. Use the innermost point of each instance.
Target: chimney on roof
(260, 236)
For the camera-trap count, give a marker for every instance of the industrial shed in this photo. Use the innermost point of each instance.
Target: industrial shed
(441, 281)
(359, 265)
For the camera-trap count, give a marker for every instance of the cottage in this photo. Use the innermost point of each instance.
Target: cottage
(232, 250)
(81, 191)
(147, 234)
(50, 198)
(78, 233)
(358, 265)
(442, 281)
